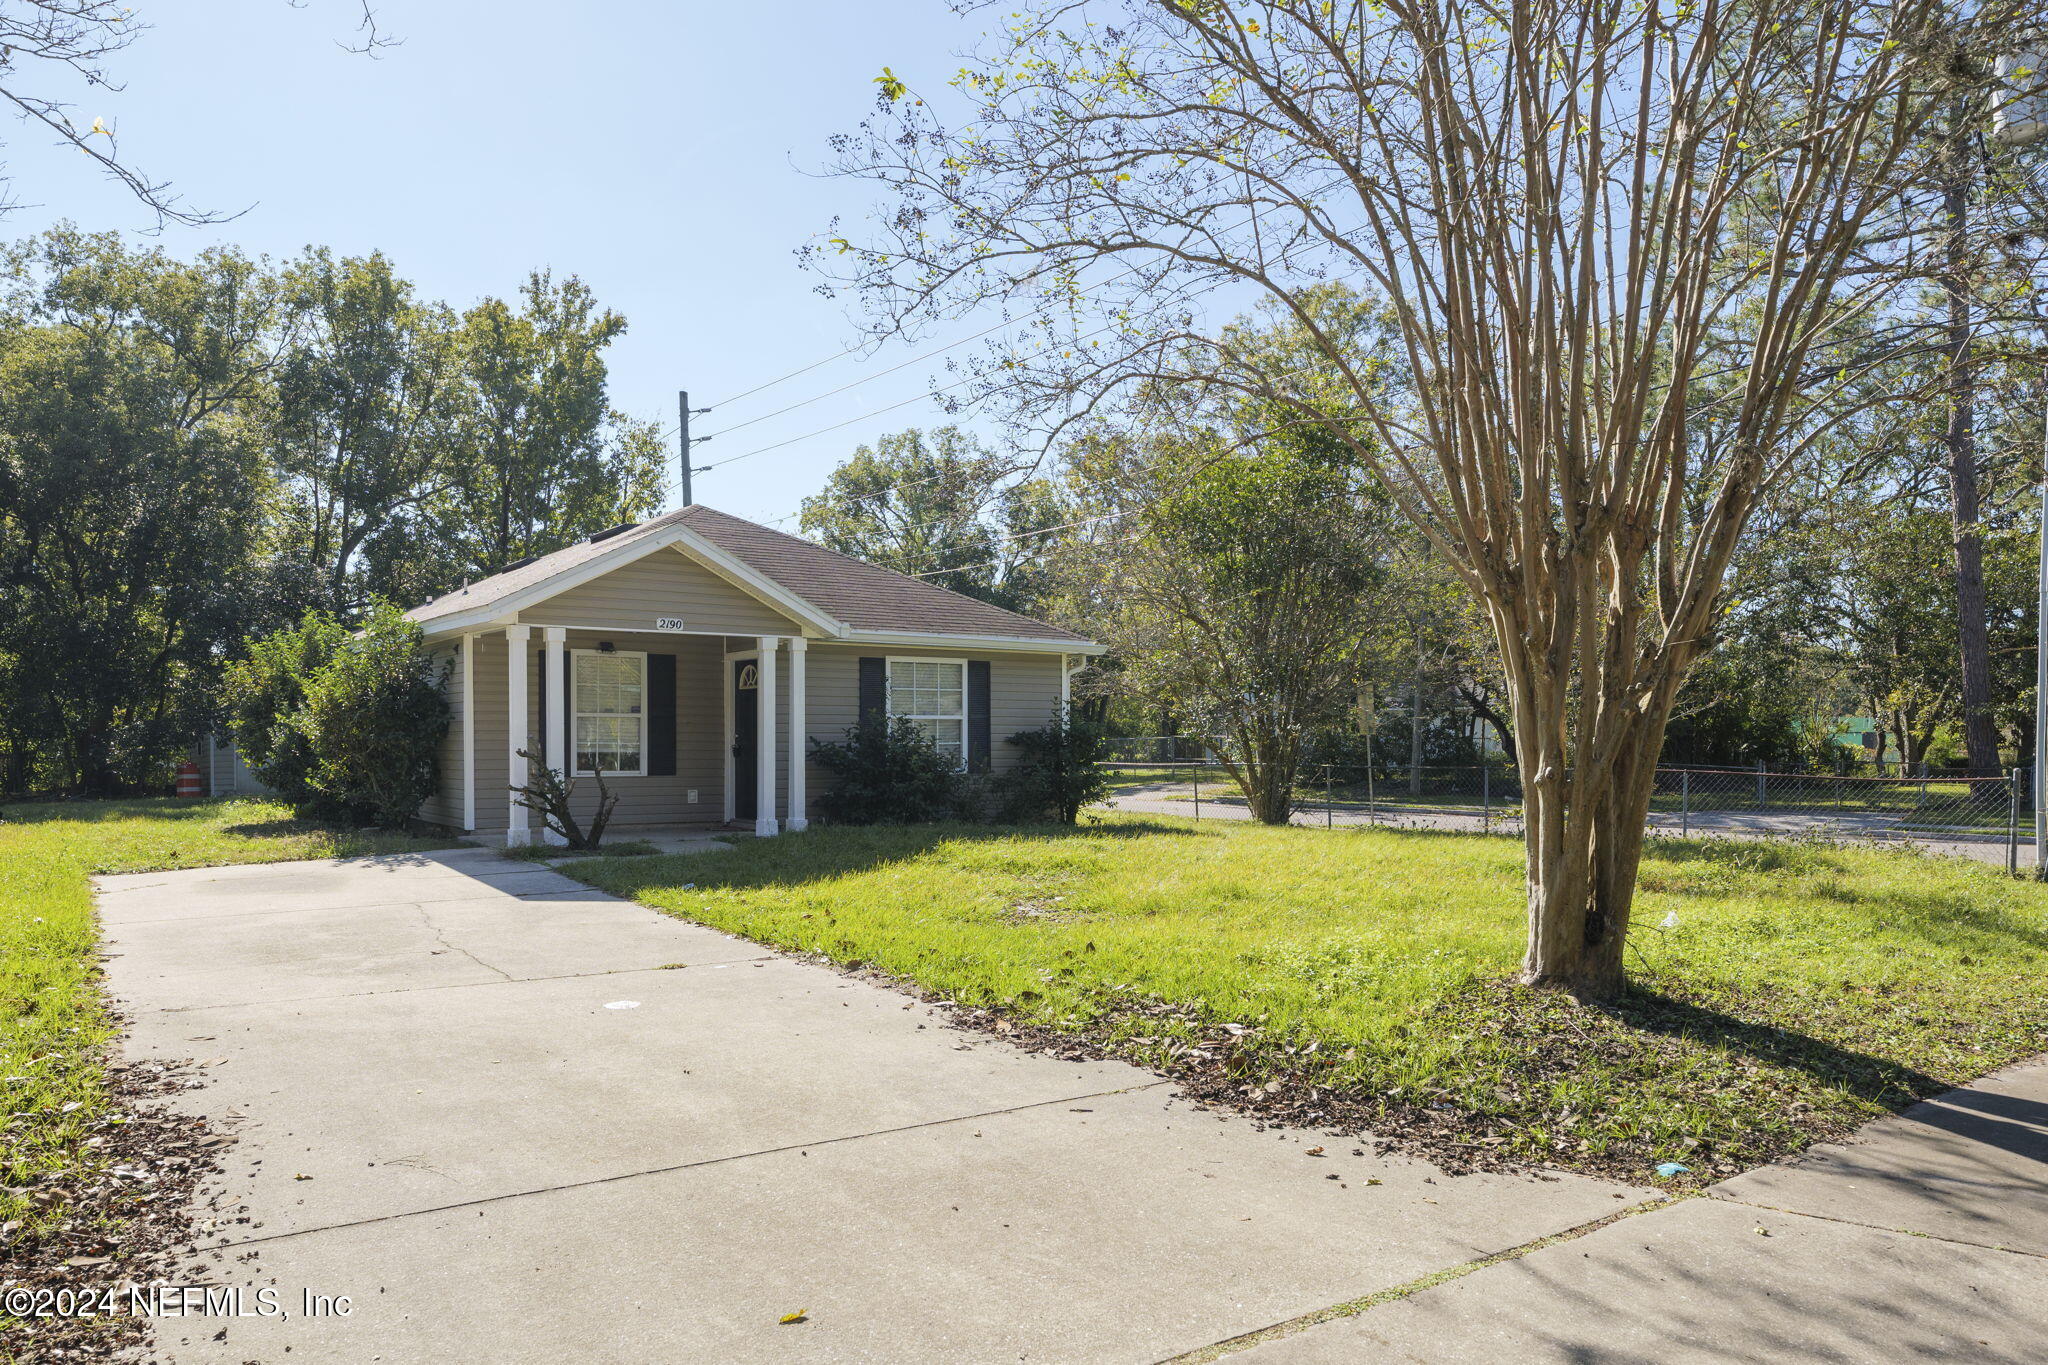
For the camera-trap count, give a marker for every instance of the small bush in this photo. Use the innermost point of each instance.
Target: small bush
(263, 692)
(343, 726)
(886, 774)
(1060, 771)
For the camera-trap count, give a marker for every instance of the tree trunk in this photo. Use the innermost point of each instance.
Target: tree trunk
(1267, 775)
(1583, 857)
(1980, 730)
(1415, 725)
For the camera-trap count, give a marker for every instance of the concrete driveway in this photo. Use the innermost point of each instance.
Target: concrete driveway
(514, 1119)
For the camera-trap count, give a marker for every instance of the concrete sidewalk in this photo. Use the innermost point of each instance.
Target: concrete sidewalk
(515, 1119)
(1925, 1238)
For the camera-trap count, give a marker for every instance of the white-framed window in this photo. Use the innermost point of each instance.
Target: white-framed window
(932, 694)
(608, 712)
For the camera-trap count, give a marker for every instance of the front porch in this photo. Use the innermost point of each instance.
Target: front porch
(693, 731)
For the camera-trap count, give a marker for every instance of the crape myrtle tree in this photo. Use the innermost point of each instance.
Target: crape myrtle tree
(1589, 218)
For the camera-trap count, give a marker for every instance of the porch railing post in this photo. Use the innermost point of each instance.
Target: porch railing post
(766, 823)
(518, 730)
(799, 736)
(554, 723)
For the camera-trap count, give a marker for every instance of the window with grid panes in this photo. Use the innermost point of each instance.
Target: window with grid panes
(932, 695)
(610, 699)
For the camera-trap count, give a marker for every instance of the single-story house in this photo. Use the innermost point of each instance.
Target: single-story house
(690, 659)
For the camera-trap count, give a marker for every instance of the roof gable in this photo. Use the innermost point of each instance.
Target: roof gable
(834, 593)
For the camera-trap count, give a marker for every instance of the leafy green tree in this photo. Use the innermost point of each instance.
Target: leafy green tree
(423, 448)
(192, 452)
(1234, 585)
(942, 507)
(364, 421)
(132, 484)
(537, 457)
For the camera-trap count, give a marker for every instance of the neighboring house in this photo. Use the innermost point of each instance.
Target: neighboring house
(691, 658)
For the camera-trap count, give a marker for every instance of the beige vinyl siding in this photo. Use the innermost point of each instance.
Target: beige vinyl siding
(700, 724)
(664, 583)
(1024, 694)
(493, 801)
(444, 807)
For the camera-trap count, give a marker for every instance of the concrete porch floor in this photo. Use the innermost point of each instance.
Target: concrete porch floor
(665, 838)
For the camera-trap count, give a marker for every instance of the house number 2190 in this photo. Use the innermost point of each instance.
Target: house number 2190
(668, 623)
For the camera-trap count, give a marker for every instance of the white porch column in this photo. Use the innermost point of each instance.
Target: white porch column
(517, 736)
(469, 732)
(765, 822)
(798, 734)
(553, 724)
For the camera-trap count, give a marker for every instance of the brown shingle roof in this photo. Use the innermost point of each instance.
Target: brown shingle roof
(865, 596)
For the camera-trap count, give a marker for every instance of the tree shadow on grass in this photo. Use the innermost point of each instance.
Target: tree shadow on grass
(1886, 1082)
(829, 852)
(285, 828)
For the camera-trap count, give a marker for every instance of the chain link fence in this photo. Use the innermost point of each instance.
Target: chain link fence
(1986, 817)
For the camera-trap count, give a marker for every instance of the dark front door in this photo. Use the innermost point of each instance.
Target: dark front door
(746, 738)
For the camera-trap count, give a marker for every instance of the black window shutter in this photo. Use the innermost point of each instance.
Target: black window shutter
(874, 690)
(977, 716)
(661, 715)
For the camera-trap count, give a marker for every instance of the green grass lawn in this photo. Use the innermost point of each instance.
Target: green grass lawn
(54, 1027)
(1798, 988)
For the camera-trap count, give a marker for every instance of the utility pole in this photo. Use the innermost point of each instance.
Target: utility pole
(683, 441)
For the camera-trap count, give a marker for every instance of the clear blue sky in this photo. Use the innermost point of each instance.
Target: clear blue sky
(663, 152)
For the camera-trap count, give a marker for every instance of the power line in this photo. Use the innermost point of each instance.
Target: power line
(1249, 221)
(1021, 535)
(854, 384)
(806, 369)
(668, 486)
